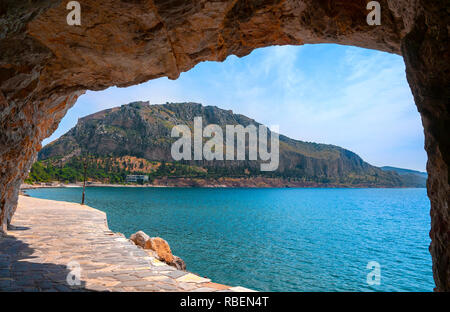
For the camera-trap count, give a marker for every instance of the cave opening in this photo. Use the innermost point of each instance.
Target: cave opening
(367, 92)
(47, 64)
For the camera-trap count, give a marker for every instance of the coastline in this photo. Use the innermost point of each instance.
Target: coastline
(218, 183)
(131, 209)
(31, 187)
(108, 261)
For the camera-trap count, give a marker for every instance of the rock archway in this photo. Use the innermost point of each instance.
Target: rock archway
(45, 64)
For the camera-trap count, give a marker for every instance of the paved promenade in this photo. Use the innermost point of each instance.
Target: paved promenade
(59, 246)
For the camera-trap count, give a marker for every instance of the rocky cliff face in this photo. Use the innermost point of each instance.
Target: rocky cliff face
(143, 130)
(415, 178)
(45, 64)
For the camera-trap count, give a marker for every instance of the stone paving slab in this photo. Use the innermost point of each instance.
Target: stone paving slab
(61, 246)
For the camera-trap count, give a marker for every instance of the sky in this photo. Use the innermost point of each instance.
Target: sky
(355, 98)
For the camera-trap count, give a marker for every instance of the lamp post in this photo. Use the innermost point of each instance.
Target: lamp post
(84, 180)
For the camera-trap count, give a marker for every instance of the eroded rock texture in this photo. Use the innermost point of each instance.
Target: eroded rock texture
(426, 53)
(46, 64)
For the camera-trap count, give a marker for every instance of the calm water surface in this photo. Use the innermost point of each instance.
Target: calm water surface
(280, 239)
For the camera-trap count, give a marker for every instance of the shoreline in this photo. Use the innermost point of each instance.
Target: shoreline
(108, 261)
(25, 186)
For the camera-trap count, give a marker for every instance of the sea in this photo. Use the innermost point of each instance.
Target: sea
(280, 239)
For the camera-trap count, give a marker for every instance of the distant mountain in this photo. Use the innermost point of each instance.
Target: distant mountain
(410, 177)
(142, 131)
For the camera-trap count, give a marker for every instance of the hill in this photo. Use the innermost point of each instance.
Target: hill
(136, 138)
(410, 177)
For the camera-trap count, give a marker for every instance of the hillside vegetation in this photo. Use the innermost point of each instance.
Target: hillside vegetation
(135, 138)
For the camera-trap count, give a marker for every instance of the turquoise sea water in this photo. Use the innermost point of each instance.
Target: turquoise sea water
(280, 239)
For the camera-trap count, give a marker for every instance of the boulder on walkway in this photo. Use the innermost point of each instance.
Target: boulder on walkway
(160, 247)
(140, 239)
(178, 263)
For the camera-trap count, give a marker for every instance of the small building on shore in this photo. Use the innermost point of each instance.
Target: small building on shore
(136, 178)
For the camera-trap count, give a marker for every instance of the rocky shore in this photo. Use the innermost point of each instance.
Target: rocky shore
(254, 182)
(158, 248)
(62, 246)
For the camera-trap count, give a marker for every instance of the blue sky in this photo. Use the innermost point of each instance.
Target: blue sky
(355, 98)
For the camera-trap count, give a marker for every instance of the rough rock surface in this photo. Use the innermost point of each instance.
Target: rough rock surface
(162, 249)
(141, 239)
(158, 245)
(178, 263)
(46, 64)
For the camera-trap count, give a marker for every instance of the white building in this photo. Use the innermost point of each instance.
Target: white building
(136, 178)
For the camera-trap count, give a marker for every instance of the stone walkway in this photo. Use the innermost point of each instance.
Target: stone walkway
(54, 242)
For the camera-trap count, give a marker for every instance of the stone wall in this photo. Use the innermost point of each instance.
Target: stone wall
(46, 64)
